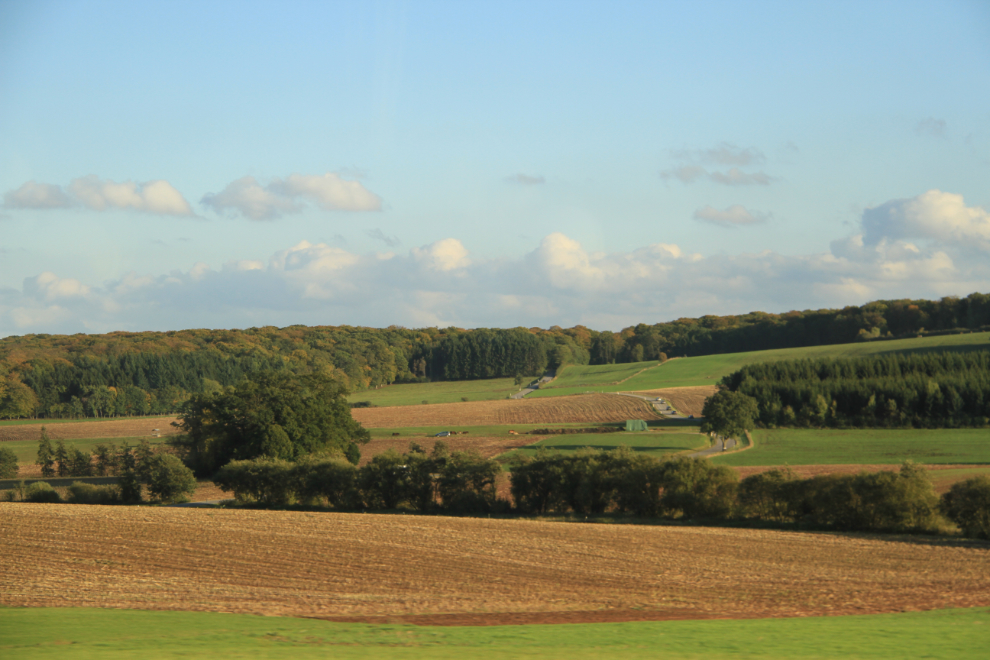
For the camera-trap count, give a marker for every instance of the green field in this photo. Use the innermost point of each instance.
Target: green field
(866, 446)
(27, 450)
(19, 422)
(411, 394)
(586, 376)
(709, 369)
(75, 634)
(655, 443)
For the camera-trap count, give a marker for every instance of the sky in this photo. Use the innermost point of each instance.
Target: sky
(172, 165)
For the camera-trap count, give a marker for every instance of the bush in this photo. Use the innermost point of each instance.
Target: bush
(384, 481)
(968, 505)
(332, 479)
(41, 492)
(8, 463)
(168, 479)
(697, 489)
(82, 493)
(766, 495)
(266, 480)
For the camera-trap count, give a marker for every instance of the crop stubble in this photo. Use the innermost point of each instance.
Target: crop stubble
(686, 400)
(463, 570)
(590, 408)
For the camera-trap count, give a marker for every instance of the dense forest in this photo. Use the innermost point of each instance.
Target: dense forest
(138, 373)
(933, 390)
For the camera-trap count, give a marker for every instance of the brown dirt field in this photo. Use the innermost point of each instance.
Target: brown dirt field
(687, 400)
(590, 408)
(941, 483)
(465, 570)
(117, 428)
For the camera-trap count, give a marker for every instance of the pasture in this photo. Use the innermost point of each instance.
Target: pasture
(69, 634)
(862, 446)
(710, 369)
(409, 394)
(435, 569)
(655, 443)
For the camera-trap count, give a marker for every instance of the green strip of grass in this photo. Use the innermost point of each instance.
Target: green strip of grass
(71, 634)
(655, 443)
(852, 446)
(20, 422)
(27, 450)
(414, 394)
(575, 376)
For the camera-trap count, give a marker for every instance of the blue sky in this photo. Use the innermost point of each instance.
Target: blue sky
(175, 165)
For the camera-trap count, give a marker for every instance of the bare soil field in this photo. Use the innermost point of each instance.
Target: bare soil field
(686, 400)
(117, 428)
(465, 570)
(591, 408)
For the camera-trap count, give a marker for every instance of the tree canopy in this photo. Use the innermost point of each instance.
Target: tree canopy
(269, 414)
(729, 413)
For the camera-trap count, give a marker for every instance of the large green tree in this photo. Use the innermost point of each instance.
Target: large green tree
(269, 414)
(729, 413)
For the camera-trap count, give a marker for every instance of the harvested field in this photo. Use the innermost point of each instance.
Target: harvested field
(456, 570)
(686, 400)
(117, 428)
(590, 408)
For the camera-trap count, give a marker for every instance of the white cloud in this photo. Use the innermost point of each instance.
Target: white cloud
(152, 197)
(939, 217)
(691, 170)
(267, 202)
(33, 195)
(733, 216)
(558, 282)
(158, 197)
(444, 256)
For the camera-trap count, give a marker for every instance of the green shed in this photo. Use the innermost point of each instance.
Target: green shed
(635, 425)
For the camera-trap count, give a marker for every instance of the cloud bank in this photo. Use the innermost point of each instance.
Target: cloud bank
(157, 197)
(926, 246)
(696, 165)
(247, 197)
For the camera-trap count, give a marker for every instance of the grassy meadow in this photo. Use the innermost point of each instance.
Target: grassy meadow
(412, 394)
(71, 634)
(862, 446)
(654, 443)
(710, 369)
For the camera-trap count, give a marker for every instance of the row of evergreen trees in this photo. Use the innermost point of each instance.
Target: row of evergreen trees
(924, 390)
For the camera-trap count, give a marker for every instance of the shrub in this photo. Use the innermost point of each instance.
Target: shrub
(968, 505)
(697, 489)
(766, 495)
(332, 479)
(467, 483)
(8, 463)
(265, 480)
(82, 493)
(168, 479)
(384, 481)
(41, 492)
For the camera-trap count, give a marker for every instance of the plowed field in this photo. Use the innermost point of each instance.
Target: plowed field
(591, 408)
(118, 428)
(686, 400)
(455, 570)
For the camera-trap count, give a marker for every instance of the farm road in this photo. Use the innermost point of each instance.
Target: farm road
(547, 377)
(665, 409)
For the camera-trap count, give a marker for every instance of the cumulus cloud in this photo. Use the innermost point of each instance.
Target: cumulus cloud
(560, 281)
(692, 162)
(525, 179)
(734, 216)
(936, 216)
(158, 197)
(250, 198)
(33, 195)
(931, 127)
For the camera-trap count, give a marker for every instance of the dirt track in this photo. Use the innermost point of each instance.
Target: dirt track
(687, 400)
(465, 570)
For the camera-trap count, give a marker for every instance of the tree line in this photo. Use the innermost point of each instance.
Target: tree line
(147, 373)
(923, 390)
